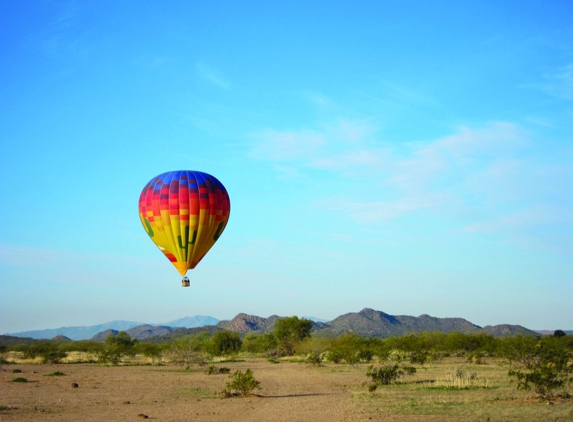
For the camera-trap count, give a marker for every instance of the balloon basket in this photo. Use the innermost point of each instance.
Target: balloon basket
(185, 282)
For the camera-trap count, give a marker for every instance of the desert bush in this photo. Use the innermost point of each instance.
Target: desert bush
(188, 350)
(476, 357)
(213, 370)
(152, 351)
(55, 374)
(116, 347)
(16, 371)
(419, 357)
(242, 383)
(387, 374)
(291, 331)
(313, 349)
(53, 356)
(47, 351)
(350, 348)
(19, 379)
(545, 367)
(259, 344)
(224, 343)
(86, 346)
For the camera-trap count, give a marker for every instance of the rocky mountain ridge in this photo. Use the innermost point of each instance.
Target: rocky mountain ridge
(371, 323)
(367, 323)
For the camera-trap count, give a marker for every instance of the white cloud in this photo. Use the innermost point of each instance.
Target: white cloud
(418, 166)
(376, 211)
(494, 178)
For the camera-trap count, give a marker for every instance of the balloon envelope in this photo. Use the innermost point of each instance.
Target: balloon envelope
(184, 213)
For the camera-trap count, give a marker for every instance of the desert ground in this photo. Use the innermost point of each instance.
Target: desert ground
(290, 391)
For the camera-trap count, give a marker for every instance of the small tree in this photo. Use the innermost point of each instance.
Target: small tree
(546, 368)
(116, 347)
(265, 343)
(152, 351)
(290, 331)
(187, 350)
(49, 352)
(224, 343)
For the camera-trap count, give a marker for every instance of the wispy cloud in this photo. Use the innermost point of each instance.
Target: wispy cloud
(420, 163)
(484, 179)
(377, 211)
(212, 75)
(405, 95)
(536, 215)
(558, 83)
(286, 146)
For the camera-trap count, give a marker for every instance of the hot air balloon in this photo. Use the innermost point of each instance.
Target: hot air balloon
(184, 213)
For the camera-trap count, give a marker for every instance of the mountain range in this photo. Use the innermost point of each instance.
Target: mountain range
(85, 333)
(368, 323)
(371, 323)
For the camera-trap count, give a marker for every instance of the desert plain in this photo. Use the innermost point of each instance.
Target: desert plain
(290, 391)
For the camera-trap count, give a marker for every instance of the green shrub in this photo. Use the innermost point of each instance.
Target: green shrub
(19, 379)
(243, 383)
(16, 371)
(387, 374)
(55, 374)
(259, 344)
(48, 351)
(351, 349)
(313, 349)
(188, 350)
(152, 351)
(116, 347)
(544, 366)
(214, 370)
(224, 343)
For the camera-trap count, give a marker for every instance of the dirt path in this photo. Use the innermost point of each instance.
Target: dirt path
(290, 392)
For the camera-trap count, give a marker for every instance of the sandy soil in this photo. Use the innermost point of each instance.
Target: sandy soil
(289, 392)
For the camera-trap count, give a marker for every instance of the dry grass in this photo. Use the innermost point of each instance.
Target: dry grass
(452, 390)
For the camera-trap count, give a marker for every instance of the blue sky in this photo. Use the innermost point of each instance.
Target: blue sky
(411, 157)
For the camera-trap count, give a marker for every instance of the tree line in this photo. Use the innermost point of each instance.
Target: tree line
(543, 364)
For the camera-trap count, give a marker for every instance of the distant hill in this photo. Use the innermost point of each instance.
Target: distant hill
(78, 333)
(181, 332)
(84, 333)
(372, 323)
(244, 323)
(103, 335)
(191, 322)
(12, 340)
(61, 338)
(506, 330)
(367, 323)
